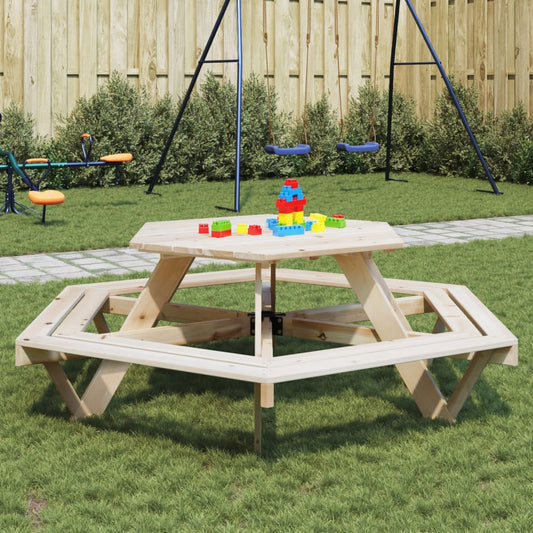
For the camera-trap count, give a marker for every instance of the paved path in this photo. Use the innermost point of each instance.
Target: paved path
(70, 265)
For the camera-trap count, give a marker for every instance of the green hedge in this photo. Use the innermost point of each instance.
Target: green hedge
(123, 119)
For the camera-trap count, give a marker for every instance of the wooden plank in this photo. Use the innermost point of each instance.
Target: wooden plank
(183, 358)
(148, 46)
(450, 314)
(65, 389)
(385, 353)
(409, 305)
(469, 379)
(486, 322)
(88, 65)
(161, 286)
(177, 22)
(31, 58)
(195, 333)
(523, 64)
(13, 79)
(81, 316)
(46, 323)
(371, 289)
(500, 59)
(59, 65)
(328, 331)
(118, 51)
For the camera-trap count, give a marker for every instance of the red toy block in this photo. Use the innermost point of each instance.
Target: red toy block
(338, 216)
(220, 234)
(254, 229)
(293, 183)
(203, 228)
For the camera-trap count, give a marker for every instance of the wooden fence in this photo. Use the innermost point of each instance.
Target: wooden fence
(54, 51)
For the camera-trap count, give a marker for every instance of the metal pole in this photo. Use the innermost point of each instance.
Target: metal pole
(201, 61)
(391, 92)
(454, 97)
(239, 109)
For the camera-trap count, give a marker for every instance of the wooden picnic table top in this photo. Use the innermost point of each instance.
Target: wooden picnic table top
(181, 238)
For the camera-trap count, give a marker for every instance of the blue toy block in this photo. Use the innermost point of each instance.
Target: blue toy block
(284, 231)
(272, 222)
(309, 225)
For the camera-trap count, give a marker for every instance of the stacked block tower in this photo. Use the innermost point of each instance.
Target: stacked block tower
(290, 205)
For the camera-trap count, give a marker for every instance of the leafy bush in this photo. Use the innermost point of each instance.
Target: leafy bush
(367, 114)
(321, 132)
(119, 118)
(17, 136)
(448, 149)
(506, 146)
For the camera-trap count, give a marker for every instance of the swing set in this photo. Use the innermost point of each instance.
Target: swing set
(44, 166)
(302, 148)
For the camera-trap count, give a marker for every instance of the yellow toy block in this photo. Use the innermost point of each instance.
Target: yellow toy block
(242, 229)
(286, 219)
(298, 217)
(318, 227)
(319, 217)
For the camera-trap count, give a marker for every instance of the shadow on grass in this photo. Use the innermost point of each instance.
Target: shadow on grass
(219, 408)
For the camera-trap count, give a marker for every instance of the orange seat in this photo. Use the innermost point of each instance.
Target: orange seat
(117, 158)
(46, 197)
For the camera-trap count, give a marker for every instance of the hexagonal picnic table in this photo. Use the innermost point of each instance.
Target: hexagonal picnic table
(373, 330)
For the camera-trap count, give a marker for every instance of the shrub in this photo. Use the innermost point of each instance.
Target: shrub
(448, 149)
(506, 146)
(321, 133)
(119, 119)
(371, 108)
(17, 136)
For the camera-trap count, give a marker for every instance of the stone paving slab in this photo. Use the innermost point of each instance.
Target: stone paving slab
(86, 264)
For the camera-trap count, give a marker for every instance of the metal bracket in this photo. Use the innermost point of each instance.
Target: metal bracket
(275, 318)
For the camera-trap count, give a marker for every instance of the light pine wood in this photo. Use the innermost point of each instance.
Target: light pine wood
(57, 50)
(390, 324)
(464, 327)
(469, 379)
(162, 285)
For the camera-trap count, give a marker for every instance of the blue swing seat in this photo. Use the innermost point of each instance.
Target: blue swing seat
(358, 148)
(299, 149)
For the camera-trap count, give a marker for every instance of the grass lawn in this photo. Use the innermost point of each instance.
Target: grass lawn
(174, 451)
(101, 218)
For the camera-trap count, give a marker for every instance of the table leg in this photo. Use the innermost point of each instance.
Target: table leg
(263, 393)
(382, 310)
(161, 286)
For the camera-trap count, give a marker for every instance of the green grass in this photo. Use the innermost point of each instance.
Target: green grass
(174, 451)
(101, 218)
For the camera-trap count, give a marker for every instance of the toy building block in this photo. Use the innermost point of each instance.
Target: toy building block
(318, 227)
(220, 234)
(242, 229)
(221, 228)
(220, 225)
(309, 224)
(255, 229)
(272, 222)
(335, 222)
(286, 219)
(318, 217)
(283, 231)
(203, 228)
(291, 182)
(298, 217)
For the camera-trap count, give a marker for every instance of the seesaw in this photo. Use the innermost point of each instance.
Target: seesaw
(48, 197)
